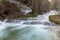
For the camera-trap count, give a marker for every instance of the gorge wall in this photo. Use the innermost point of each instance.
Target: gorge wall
(11, 10)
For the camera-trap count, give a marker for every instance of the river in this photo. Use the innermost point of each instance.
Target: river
(37, 28)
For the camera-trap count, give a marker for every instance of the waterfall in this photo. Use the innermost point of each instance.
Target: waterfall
(37, 28)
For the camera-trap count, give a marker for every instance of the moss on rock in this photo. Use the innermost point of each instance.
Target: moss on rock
(55, 18)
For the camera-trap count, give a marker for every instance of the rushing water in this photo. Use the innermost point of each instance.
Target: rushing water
(37, 28)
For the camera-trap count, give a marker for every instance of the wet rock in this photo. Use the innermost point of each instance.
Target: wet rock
(55, 18)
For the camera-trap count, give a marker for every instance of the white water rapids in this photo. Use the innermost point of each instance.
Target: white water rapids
(37, 28)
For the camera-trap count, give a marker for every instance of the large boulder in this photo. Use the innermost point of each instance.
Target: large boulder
(55, 18)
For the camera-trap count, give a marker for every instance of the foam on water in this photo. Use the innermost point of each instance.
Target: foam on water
(28, 29)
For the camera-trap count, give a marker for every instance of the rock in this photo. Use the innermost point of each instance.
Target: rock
(55, 18)
(9, 10)
(3, 10)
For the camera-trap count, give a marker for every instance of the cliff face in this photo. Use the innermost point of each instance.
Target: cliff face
(57, 4)
(9, 10)
(17, 8)
(51, 4)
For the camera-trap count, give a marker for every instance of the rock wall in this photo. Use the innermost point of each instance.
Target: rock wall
(9, 10)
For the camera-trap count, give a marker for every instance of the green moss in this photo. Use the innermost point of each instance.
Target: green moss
(31, 14)
(55, 18)
(25, 16)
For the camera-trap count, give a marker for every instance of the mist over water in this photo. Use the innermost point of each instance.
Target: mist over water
(37, 28)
